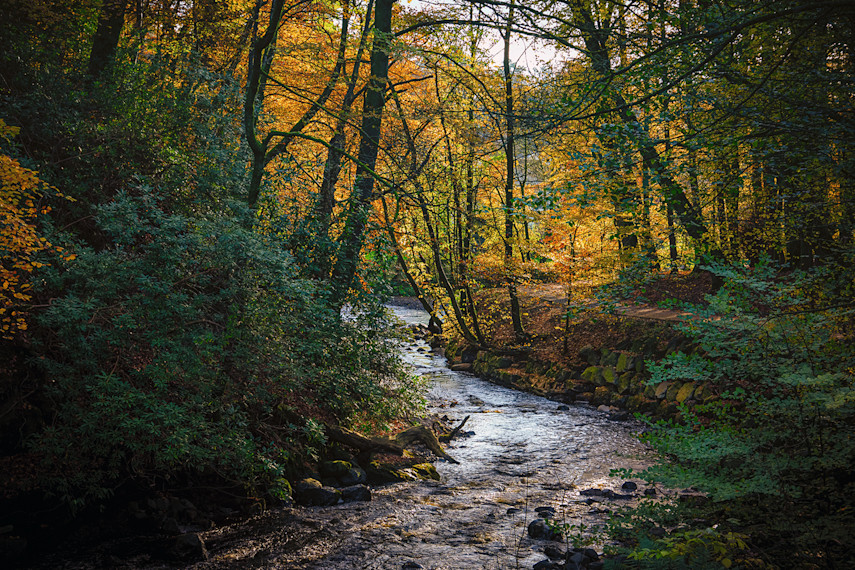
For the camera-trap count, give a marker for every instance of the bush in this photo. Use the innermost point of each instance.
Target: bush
(191, 346)
(777, 443)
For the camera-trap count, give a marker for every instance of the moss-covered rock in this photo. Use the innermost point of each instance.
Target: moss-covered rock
(610, 359)
(335, 469)
(624, 383)
(602, 395)
(593, 374)
(589, 354)
(609, 375)
(673, 389)
(504, 362)
(623, 363)
(685, 392)
(426, 471)
(705, 393)
(661, 390)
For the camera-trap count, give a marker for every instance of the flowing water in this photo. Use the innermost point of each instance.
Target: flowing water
(519, 452)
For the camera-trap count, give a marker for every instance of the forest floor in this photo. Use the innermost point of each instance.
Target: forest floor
(552, 336)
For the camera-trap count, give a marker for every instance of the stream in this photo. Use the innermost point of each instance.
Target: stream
(517, 453)
(520, 453)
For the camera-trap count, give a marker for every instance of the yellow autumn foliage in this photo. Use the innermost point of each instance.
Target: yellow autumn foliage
(20, 190)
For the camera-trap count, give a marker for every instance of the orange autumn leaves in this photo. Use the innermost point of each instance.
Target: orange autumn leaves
(20, 242)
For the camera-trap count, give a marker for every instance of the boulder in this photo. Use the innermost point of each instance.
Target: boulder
(504, 362)
(353, 476)
(462, 367)
(673, 389)
(661, 390)
(189, 547)
(685, 392)
(609, 375)
(624, 383)
(335, 469)
(555, 551)
(311, 493)
(589, 354)
(355, 493)
(623, 363)
(610, 359)
(593, 374)
(426, 471)
(539, 529)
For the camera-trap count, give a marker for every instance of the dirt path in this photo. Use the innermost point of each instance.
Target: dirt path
(555, 294)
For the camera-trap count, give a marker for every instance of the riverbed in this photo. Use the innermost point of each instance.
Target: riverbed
(520, 452)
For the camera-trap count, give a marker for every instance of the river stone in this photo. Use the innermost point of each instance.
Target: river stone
(575, 561)
(591, 493)
(189, 547)
(462, 367)
(555, 551)
(311, 493)
(629, 486)
(539, 529)
(410, 565)
(545, 512)
(563, 408)
(354, 476)
(335, 469)
(547, 564)
(355, 493)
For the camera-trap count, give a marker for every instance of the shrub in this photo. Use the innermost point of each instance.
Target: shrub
(191, 346)
(777, 443)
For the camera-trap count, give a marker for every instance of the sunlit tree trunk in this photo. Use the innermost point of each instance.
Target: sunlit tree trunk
(369, 146)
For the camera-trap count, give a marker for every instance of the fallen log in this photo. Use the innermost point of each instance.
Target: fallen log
(426, 436)
(455, 431)
(362, 443)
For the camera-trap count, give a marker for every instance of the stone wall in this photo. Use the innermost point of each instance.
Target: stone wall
(612, 376)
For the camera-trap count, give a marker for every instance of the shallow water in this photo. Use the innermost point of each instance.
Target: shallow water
(520, 453)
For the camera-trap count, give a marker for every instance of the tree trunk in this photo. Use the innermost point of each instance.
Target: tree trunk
(369, 146)
(509, 179)
(107, 34)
